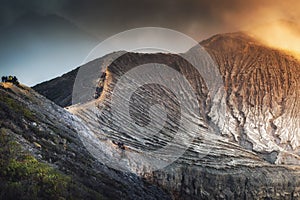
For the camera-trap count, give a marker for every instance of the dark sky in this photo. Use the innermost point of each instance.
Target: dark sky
(46, 38)
(198, 18)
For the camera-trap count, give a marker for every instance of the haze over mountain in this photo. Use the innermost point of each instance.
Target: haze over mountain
(281, 34)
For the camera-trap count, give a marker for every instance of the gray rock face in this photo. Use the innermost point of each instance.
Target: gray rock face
(262, 87)
(264, 182)
(253, 155)
(50, 133)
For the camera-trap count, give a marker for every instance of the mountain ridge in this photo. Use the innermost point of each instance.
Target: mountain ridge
(253, 154)
(231, 52)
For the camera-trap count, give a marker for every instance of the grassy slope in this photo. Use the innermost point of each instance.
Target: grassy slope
(21, 175)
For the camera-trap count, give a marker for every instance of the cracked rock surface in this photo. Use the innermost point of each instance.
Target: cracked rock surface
(250, 151)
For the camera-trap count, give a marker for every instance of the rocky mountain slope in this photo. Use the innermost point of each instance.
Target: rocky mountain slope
(254, 154)
(262, 87)
(43, 157)
(261, 92)
(59, 90)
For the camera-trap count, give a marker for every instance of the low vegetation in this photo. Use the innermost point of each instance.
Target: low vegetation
(24, 177)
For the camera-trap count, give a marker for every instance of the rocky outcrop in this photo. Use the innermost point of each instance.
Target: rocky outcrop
(239, 182)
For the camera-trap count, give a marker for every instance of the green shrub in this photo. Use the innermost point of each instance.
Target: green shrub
(16, 107)
(24, 177)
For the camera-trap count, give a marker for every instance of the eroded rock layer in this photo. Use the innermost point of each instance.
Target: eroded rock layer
(249, 151)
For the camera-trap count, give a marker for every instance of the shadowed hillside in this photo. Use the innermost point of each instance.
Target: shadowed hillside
(43, 157)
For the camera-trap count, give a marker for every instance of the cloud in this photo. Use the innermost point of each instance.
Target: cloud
(197, 18)
(10, 10)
